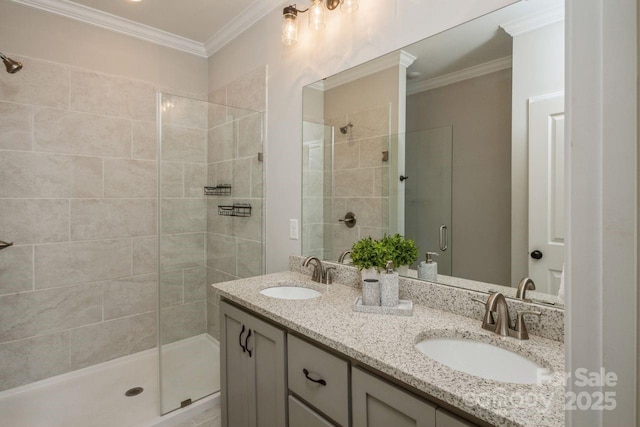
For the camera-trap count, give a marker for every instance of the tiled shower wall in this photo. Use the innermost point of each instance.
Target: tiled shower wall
(78, 199)
(235, 245)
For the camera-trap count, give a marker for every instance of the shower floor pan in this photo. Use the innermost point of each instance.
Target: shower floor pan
(95, 396)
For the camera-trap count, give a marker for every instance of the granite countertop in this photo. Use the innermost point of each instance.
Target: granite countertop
(387, 343)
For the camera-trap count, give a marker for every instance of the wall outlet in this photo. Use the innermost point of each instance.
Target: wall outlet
(293, 229)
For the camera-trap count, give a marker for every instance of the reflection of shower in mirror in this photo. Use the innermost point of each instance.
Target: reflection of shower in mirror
(344, 129)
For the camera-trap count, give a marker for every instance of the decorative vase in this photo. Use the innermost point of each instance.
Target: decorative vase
(371, 292)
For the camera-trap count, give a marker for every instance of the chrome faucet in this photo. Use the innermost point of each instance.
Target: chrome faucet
(501, 323)
(318, 271)
(343, 256)
(526, 284)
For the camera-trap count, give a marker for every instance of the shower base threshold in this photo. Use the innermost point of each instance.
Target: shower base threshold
(95, 396)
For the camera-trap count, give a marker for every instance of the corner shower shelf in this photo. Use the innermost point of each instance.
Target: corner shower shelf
(237, 209)
(218, 190)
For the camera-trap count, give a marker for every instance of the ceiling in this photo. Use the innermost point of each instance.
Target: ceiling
(197, 20)
(200, 27)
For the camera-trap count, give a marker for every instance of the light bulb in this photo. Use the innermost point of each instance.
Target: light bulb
(349, 6)
(289, 28)
(316, 15)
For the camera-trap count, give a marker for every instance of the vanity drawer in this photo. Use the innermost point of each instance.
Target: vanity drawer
(308, 363)
(300, 415)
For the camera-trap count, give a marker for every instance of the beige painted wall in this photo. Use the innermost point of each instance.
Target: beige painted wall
(479, 110)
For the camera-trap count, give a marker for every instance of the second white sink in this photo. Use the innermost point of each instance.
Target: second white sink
(481, 359)
(290, 292)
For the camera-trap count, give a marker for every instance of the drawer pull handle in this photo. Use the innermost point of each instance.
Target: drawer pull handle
(246, 342)
(320, 381)
(244, 349)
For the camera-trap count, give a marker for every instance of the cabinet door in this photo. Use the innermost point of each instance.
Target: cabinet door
(447, 419)
(377, 403)
(233, 367)
(302, 416)
(266, 374)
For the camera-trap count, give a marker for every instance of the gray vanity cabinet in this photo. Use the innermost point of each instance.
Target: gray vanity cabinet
(253, 370)
(375, 403)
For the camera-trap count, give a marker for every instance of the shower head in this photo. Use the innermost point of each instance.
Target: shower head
(345, 128)
(12, 66)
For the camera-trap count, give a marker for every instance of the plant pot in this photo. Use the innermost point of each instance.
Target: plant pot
(371, 292)
(370, 273)
(403, 270)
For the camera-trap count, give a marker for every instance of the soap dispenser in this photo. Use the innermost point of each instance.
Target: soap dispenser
(428, 270)
(389, 286)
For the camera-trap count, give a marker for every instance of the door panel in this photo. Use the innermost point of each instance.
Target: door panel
(233, 368)
(546, 191)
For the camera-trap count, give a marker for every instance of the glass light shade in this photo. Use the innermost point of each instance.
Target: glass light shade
(349, 6)
(316, 15)
(289, 29)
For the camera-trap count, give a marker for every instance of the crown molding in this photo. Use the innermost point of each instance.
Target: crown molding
(115, 23)
(393, 59)
(458, 76)
(319, 85)
(533, 22)
(252, 14)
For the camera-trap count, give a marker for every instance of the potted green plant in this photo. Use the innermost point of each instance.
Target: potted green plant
(369, 256)
(403, 252)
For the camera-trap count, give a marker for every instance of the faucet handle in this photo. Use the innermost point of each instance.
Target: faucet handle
(488, 319)
(520, 330)
(328, 275)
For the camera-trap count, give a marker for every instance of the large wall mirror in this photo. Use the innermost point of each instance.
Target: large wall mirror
(456, 142)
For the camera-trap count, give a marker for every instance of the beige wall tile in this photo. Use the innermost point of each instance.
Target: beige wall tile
(213, 321)
(16, 269)
(250, 135)
(251, 227)
(195, 178)
(133, 295)
(179, 251)
(26, 174)
(16, 122)
(343, 237)
(145, 255)
(347, 155)
(218, 224)
(371, 151)
(217, 276)
(370, 123)
(113, 96)
(42, 312)
(62, 131)
(257, 178)
(181, 144)
(183, 215)
(354, 183)
(249, 258)
(242, 178)
(26, 221)
(109, 340)
(33, 359)
(39, 82)
(171, 288)
(183, 321)
(112, 218)
(368, 211)
(218, 96)
(70, 263)
(221, 142)
(144, 140)
(195, 284)
(224, 174)
(217, 115)
(249, 91)
(130, 178)
(171, 178)
(184, 112)
(221, 253)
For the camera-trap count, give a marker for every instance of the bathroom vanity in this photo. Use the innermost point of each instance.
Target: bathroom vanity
(316, 362)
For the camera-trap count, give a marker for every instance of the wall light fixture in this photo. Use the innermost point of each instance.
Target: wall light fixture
(316, 16)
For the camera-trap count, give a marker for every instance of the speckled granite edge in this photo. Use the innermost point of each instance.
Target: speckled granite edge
(387, 344)
(455, 300)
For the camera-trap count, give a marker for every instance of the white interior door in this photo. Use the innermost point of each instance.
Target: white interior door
(546, 192)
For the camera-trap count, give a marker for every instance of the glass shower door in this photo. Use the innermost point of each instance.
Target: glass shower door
(210, 210)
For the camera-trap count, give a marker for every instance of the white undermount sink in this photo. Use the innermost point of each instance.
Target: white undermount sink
(481, 359)
(290, 292)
